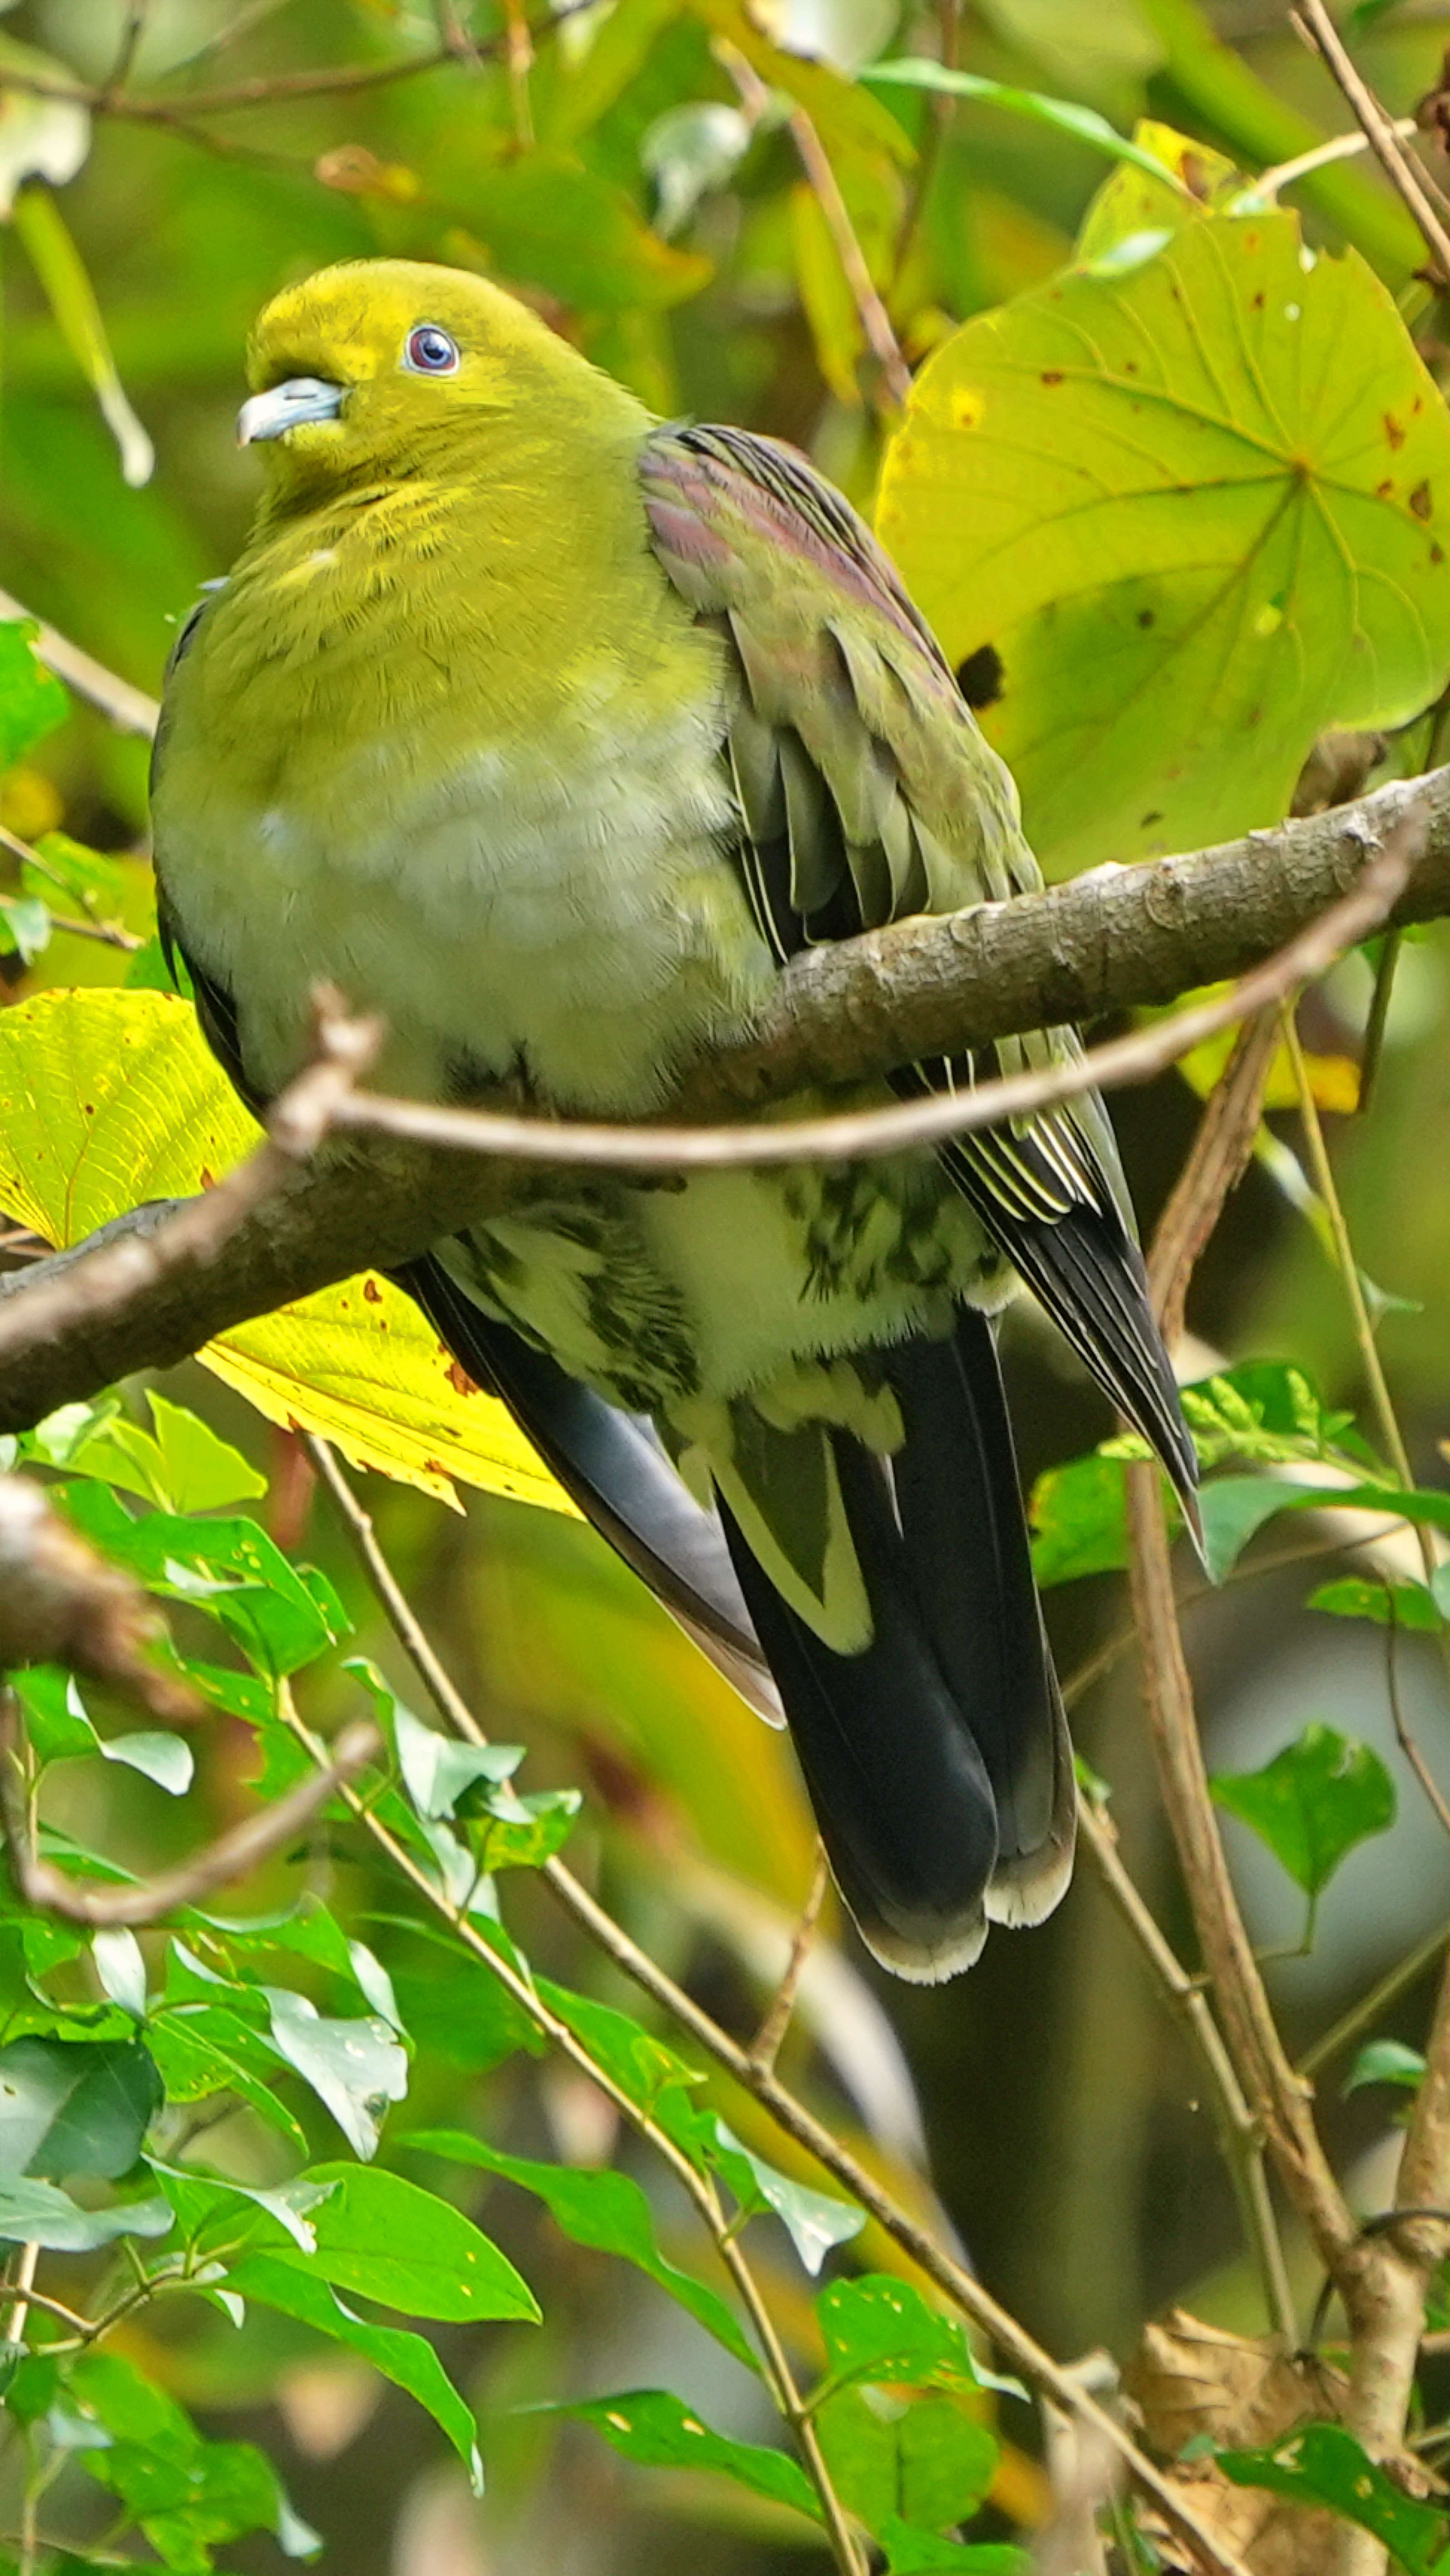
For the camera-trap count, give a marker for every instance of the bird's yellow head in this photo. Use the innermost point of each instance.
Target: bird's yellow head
(366, 370)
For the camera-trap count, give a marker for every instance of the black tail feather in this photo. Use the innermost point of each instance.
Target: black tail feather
(937, 1761)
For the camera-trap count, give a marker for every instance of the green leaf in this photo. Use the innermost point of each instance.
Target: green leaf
(32, 701)
(916, 2456)
(1236, 1508)
(72, 2107)
(880, 2329)
(166, 1759)
(602, 2209)
(437, 1769)
(196, 2065)
(35, 2213)
(657, 2430)
(204, 2202)
(1318, 1797)
(1079, 1517)
(406, 2359)
(60, 1730)
(1406, 1605)
(920, 2553)
(814, 2221)
(386, 2239)
(72, 298)
(355, 2067)
(642, 2066)
(1191, 553)
(1064, 115)
(187, 2501)
(1322, 2464)
(26, 923)
(454, 2005)
(1386, 2061)
(120, 1964)
(199, 1471)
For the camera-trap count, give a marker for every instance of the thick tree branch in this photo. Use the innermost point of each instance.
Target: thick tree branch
(843, 1014)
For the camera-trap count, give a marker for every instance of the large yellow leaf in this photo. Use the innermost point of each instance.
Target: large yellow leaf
(110, 1098)
(1178, 511)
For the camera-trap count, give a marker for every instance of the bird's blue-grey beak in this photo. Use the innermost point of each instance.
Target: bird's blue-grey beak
(284, 407)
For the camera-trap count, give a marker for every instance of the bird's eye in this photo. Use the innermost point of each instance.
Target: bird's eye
(430, 352)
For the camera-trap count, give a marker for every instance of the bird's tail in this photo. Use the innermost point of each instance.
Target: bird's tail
(931, 1733)
(937, 1756)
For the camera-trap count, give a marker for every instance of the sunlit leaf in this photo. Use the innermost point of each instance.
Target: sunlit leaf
(35, 2213)
(1190, 552)
(602, 2209)
(880, 2329)
(24, 926)
(406, 2359)
(386, 2239)
(653, 2427)
(40, 138)
(120, 1964)
(918, 2456)
(110, 1098)
(1323, 2464)
(1312, 1803)
(1386, 2061)
(355, 2067)
(815, 2221)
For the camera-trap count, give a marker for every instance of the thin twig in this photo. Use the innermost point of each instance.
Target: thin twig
(1434, 1794)
(120, 71)
(765, 2047)
(1372, 1044)
(1276, 2094)
(1221, 1152)
(1364, 1334)
(1363, 2015)
(875, 321)
(1324, 1182)
(1340, 147)
(130, 710)
(789, 2114)
(1314, 23)
(233, 1855)
(268, 89)
(1240, 2133)
(866, 1133)
(25, 2264)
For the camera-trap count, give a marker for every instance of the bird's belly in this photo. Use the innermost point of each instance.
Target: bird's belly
(734, 1283)
(587, 932)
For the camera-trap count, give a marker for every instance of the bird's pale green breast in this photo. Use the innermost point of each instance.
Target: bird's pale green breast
(453, 741)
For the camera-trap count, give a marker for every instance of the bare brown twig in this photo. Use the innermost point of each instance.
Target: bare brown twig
(765, 2047)
(1314, 23)
(1241, 2134)
(1221, 1152)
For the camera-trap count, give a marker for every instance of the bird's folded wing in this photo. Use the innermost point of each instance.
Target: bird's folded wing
(866, 792)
